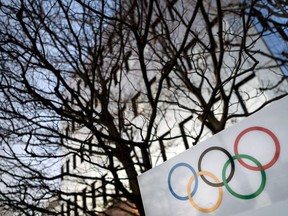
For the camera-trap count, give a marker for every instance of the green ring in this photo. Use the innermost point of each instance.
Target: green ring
(249, 196)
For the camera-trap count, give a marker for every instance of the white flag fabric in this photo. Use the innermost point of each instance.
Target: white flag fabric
(242, 170)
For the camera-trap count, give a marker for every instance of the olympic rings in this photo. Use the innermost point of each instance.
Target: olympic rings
(225, 181)
(276, 142)
(169, 181)
(230, 159)
(249, 196)
(217, 204)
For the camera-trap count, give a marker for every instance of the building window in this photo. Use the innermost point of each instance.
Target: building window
(93, 195)
(84, 200)
(74, 161)
(68, 166)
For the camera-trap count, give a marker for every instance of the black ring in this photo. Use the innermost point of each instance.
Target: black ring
(231, 161)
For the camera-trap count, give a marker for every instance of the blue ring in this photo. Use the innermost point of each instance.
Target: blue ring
(169, 181)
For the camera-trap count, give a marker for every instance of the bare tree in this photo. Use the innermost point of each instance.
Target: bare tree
(94, 93)
(270, 18)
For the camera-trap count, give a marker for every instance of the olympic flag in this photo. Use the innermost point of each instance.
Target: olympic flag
(242, 170)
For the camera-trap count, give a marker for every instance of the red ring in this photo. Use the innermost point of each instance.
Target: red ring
(276, 142)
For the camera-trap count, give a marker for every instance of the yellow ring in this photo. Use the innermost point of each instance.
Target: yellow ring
(205, 210)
